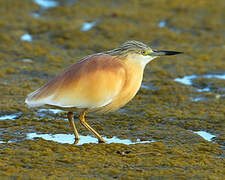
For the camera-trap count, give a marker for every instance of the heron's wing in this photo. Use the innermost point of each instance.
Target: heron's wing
(90, 83)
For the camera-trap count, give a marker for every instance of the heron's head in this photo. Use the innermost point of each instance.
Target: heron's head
(139, 51)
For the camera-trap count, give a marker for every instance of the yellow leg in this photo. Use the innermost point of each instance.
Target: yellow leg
(70, 118)
(85, 124)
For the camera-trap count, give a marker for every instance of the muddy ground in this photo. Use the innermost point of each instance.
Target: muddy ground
(165, 112)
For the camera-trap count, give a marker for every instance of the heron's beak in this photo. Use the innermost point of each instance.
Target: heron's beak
(163, 53)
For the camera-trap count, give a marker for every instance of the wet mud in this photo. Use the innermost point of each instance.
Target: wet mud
(174, 127)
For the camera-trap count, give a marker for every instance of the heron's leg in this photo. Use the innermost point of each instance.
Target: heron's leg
(70, 118)
(85, 124)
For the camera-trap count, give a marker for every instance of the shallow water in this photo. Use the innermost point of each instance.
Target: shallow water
(205, 135)
(54, 111)
(203, 90)
(145, 87)
(69, 138)
(87, 26)
(46, 3)
(35, 15)
(187, 80)
(162, 24)
(9, 116)
(218, 76)
(26, 37)
(198, 99)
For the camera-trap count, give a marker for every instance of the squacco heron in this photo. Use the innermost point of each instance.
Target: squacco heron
(101, 82)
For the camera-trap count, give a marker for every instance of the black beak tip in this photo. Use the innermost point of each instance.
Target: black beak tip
(166, 53)
(169, 53)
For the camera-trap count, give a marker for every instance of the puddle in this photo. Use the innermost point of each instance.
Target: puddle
(198, 99)
(217, 76)
(35, 15)
(172, 29)
(69, 138)
(69, 2)
(45, 112)
(43, 4)
(205, 135)
(1, 142)
(145, 87)
(26, 37)
(46, 3)
(187, 80)
(148, 86)
(222, 76)
(9, 116)
(162, 24)
(54, 111)
(121, 110)
(26, 60)
(87, 26)
(203, 90)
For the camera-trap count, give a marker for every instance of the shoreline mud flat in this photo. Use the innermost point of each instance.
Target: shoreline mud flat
(179, 110)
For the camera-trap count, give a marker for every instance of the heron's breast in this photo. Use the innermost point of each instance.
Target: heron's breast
(134, 75)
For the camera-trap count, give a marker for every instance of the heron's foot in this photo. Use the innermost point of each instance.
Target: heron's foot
(76, 141)
(101, 140)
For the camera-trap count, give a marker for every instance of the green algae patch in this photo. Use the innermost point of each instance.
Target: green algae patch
(163, 110)
(106, 161)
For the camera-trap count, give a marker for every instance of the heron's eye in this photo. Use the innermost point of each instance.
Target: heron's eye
(143, 53)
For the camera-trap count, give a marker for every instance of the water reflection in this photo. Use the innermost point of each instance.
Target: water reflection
(69, 138)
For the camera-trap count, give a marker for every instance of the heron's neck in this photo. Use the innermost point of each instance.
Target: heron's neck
(140, 60)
